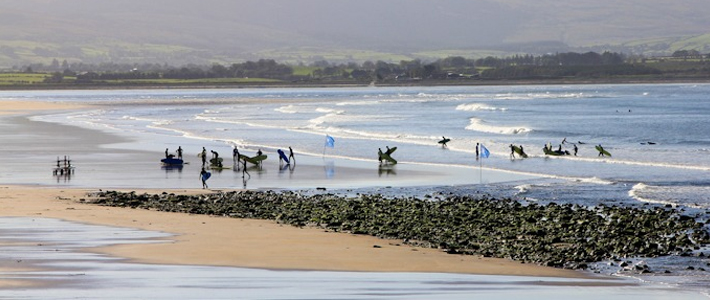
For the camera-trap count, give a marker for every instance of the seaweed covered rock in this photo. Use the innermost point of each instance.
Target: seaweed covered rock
(558, 235)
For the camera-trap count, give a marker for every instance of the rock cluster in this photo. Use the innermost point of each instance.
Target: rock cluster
(564, 236)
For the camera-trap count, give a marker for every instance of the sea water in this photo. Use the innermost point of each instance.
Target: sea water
(657, 133)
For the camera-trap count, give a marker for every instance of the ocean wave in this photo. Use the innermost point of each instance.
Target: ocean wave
(689, 196)
(596, 180)
(329, 111)
(288, 109)
(358, 103)
(478, 107)
(481, 126)
(536, 96)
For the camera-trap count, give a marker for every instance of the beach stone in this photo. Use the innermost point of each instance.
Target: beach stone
(558, 235)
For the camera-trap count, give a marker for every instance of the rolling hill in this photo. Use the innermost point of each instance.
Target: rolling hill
(190, 31)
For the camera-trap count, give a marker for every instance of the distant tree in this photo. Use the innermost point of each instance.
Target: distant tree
(56, 77)
(368, 65)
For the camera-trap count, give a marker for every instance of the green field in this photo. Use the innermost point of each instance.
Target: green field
(21, 78)
(190, 81)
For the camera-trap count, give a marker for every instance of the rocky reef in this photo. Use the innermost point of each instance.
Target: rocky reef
(557, 235)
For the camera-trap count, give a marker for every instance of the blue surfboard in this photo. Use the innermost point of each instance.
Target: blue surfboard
(283, 156)
(206, 176)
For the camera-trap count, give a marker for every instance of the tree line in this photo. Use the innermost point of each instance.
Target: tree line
(557, 65)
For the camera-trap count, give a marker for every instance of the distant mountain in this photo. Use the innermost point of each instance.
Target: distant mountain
(191, 31)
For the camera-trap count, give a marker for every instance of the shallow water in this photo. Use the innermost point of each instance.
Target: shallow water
(57, 247)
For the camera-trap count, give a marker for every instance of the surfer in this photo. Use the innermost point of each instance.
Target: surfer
(244, 168)
(476, 151)
(235, 154)
(601, 150)
(179, 152)
(203, 154)
(166, 153)
(522, 152)
(512, 151)
(290, 155)
(443, 141)
(203, 177)
(564, 140)
(214, 154)
(379, 155)
(258, 153)
(575, 150)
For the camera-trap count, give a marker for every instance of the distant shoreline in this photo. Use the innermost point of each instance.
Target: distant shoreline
(343, 84)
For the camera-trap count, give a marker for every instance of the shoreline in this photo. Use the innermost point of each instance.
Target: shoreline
(277, 85)
(220, 241)
(251, 243)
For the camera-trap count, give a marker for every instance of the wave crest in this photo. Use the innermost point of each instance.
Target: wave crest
(481, 126)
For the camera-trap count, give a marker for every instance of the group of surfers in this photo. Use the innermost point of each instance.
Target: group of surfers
(216, 161)
(547, 149)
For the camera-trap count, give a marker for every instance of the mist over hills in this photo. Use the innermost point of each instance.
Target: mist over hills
(189, 31)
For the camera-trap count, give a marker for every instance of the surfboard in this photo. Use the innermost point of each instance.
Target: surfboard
(444, 141)
(172, 161)
(391, 150)
(216, 161)
(600, 149)
(254, 160)
(555, 153)
(206, 176)
(388, 158)
(520, 152)
(283, 156)
(215, 167)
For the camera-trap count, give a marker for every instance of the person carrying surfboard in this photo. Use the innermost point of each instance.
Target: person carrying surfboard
(204, 175)
(443, 141)
(601, 150)
(512, 151)
(575, 150)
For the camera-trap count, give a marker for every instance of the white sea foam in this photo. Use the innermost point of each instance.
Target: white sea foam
(481, 126)
(358, 103)
(596, 180)
(288, 109)
(329, 110)
(478, 107)
(690, 196)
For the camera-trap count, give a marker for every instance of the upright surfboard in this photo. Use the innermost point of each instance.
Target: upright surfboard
(520, 152)
(391, 150)
(600, 149)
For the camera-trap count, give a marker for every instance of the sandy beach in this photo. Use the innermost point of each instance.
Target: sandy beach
(205, 240)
